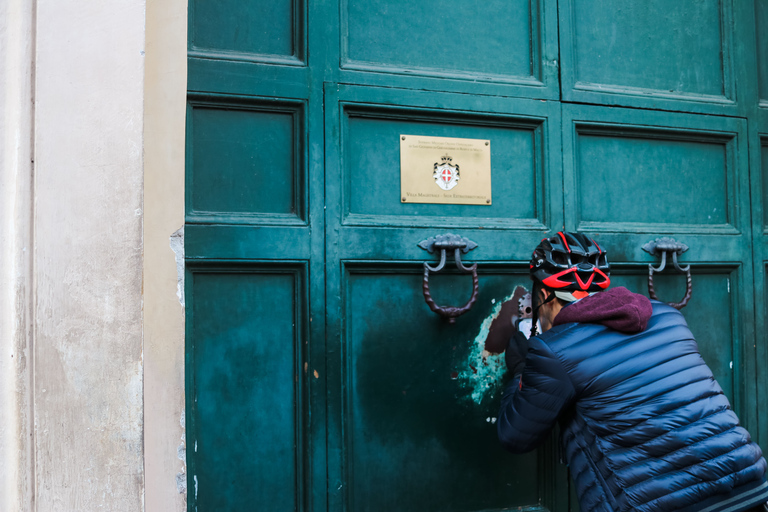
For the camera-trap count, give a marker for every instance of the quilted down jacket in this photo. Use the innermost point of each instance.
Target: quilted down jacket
(644, 424)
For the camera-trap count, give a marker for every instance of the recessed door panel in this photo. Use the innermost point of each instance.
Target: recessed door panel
(248, 30)
(245, 339)
(246, 161)
(677, 56)
(620, 171)
(759, 160)
(423, 395)
(372, 165)
(764, 175)
(432, 37)
(623, 43)
(654, 172)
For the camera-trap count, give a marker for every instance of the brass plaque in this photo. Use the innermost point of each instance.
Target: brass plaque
(445, 170)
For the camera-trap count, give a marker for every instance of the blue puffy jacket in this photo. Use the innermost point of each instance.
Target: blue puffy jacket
(644, 424)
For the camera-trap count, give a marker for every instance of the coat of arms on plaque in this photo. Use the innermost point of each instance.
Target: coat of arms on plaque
(446, 174)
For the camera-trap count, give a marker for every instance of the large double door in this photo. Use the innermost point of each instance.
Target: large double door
(317, 377)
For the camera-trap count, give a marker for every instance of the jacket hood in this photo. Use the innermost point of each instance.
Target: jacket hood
(617, 308)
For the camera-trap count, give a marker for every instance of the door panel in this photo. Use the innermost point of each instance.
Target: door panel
(697, 66)
(427, 38)
(759, 164)
(369, 121)
(371, 147)
(247, 327)
(654, 54)
(254, 247)
(446, 47)
(247, 31)
(621, 162)
(762, 167)
(421, 397)
(677, 163)
(246, 161)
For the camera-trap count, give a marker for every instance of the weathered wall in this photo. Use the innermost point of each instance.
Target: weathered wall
(164, 117)
(16, 50)
(91, 328)
(88, 367)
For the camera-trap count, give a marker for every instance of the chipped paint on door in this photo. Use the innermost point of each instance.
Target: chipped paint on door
(485, 367)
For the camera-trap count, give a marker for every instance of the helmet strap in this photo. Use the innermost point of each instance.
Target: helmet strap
(535, 314)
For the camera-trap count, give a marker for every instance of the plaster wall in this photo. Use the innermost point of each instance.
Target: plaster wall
(91, 190)
(87, 259)
(16, 75)
(164, 128)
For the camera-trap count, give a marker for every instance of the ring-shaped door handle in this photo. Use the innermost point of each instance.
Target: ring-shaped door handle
(664, 246)
(445, 243)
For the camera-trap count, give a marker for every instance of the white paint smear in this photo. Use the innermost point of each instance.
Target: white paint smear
(487, 377)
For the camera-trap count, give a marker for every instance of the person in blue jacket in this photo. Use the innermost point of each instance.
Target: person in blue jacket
(645, 425)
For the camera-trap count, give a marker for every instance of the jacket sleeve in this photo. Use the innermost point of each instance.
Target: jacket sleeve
(533, 400)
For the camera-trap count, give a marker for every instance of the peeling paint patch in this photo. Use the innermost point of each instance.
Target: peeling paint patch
(181, 453)
(177, 246)
(484, 372)
(181, 482)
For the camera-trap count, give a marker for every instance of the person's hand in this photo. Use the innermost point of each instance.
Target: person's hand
(517, 349)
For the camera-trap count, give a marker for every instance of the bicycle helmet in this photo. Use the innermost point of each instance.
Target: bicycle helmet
(572, 263)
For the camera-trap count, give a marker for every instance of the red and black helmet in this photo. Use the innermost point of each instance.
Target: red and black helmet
(571, 262)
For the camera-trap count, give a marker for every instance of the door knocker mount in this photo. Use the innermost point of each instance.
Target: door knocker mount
(663, 246)
(457, 244)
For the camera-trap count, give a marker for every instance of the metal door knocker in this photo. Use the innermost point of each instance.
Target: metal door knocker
(458, 245)
(663, 246)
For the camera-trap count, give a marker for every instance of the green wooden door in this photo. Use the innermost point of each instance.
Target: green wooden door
(317, 377)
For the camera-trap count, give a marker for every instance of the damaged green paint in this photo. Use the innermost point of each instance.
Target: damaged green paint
(484, 372)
